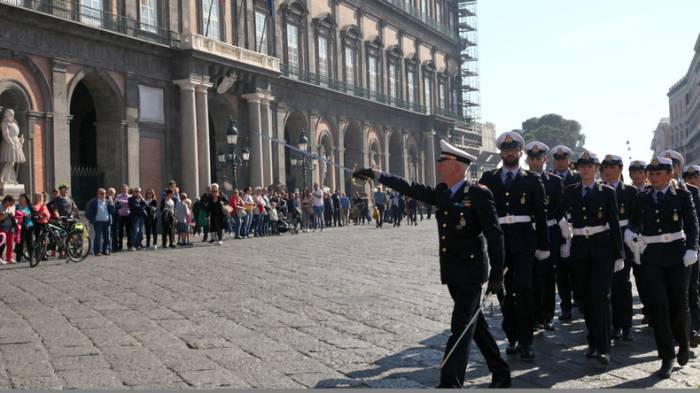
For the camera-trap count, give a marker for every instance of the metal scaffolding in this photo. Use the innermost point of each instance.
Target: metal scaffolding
(469, 64)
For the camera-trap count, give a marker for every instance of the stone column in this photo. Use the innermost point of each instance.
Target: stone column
(35, 120)
(255, 163)
(188, 137)
(342, 124)
(266, 128)
(279, 148)
(59, 164)
(365, 153)
(203, 155)
(429, 148)
(313, 146)
(387, 155)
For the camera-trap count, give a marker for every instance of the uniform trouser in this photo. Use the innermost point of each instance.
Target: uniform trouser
(545, 273)
(517, 303)
(641, 289)
(467, 298)
(593, 279)
(668, 306)
(694, 301)
(621, 297)
(565, 284)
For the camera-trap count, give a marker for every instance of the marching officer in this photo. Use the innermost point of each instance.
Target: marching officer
(520, 201)
(677, 160)
(691, 175)
(621, 292)
(545, 271)
(596, 251)
(638, 175)
(465, 215)
(663, 234)
(565, 275)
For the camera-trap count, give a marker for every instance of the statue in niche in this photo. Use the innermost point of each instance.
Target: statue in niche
(11, 151)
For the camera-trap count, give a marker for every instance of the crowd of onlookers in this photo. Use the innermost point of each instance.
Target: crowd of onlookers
(132, 219)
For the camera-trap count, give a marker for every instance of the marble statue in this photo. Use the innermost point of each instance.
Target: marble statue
(11, 151)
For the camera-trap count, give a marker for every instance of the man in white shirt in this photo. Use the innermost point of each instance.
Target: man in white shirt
(317, 205)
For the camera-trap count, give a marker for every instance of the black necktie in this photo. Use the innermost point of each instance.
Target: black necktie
(659, 194)
(586, 190)
(509, 180)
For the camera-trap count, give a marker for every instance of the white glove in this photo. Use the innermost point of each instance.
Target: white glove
(690, 257)
(619, 265)
(541, 255)
(565, 229)
(631, 239)
(565, 249)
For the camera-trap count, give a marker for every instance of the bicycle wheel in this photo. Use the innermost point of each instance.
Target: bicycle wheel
(77, 246)
(41, 245)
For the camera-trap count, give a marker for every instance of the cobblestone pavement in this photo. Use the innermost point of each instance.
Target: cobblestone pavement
(349, 307)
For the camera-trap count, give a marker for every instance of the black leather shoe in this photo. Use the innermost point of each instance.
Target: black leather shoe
(666, 369)
(512, 349)
(548, 326)
(683, 357)
(604, 359)
(527, 354)
(616, 333)
(501, 382)
(626, 334)
(591, 353)
(566, 316)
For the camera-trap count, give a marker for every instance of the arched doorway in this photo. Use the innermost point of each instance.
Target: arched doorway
(221, 114)
(413, 161)
(326, 149)
(295, 173)
(396, 153)
(13, 96)
(97, 154)
(353, 154)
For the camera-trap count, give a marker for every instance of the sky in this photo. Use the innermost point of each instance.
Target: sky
(606, 63)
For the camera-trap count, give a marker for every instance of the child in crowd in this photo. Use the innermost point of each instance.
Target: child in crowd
(8, 226)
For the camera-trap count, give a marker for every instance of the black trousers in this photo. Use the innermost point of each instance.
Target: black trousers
(380, 220)
(593, 279)
(124, 231)
(151, 231)
(668, 306)
(545, 274)
(621, 296)
(565, 284)
(694, 301)
(641, 289)
(517, 304)
(467, 299)
(168, 233)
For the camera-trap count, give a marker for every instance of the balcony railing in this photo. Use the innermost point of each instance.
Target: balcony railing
(343, 87)
(71, 10)
(407, 7)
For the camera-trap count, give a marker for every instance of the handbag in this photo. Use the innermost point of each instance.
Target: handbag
(227, 210)
(241, 213)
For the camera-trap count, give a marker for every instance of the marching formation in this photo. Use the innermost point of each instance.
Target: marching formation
(578, 230)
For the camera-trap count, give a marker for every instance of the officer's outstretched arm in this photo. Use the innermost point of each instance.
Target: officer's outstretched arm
(415, 190)
(614, 222)
(485, 209)
(690, 223)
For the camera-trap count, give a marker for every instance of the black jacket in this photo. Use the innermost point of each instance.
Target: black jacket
(526, 197)
(599, 208)
(463, 219)
(674, 212)
(554, 188)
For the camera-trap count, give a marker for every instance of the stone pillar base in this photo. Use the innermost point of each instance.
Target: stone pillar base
(12, 189)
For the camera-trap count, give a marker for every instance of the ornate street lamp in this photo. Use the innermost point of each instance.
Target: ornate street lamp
(232, 133)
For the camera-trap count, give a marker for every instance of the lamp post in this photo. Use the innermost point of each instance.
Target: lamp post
(232, 158)
(307, 161)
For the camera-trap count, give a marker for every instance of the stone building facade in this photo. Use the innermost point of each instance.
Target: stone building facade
(138, 92)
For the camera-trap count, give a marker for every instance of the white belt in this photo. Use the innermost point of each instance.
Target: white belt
(665, 238)
(552, 222)
(590, 231)
(624, 223)
(513, 219)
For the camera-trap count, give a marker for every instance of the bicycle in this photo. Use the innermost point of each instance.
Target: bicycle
(67, 237)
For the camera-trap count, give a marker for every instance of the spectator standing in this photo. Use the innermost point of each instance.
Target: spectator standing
(379, 202)
(237, 212)
(204, 205)
(137, 218)
(167, 211)
(344, 209)
(25, 239)
(8, 227)
(42, 215)
(151, 219)
(336, 208)
(317, 204)
(124, 227)
(327, 209)
(217, 212)
(307, 210)
(412, 211)
(274, 218)
(249, 206)
(98, 212)
(181, 220)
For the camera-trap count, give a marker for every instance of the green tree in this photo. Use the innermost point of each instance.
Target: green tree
(552, 130)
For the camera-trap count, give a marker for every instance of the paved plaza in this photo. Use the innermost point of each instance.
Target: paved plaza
(350, 307)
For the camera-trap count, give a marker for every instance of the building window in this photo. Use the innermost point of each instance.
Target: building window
(323, 64)
(293, 50)
(441, 95)
(148, 15)
(349, 66)
(427, 93)
(411, 87)
(393, 82)
(424, 9)
(210, 19)
(91, 12)
(455, 101)
(438, 11)
(373, 74)
(261, 32)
